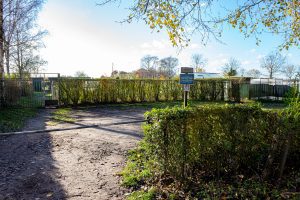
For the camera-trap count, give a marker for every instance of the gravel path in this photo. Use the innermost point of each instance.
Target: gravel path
(73, 164)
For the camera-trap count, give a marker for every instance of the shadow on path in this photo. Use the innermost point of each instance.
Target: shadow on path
(27, 168)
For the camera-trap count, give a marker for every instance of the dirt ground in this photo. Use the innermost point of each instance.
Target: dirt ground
(73, 164)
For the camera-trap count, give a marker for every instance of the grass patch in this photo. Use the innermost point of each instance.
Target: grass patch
(61, 115)
(142, 195)
(136, 173)
(14, 119)
(137, 170)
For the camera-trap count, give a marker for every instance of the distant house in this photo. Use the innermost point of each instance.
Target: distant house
(202, 75)
(143, 73)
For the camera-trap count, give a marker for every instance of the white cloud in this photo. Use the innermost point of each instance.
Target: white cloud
(203, 4)
(260, 56)
(194, 46)
(246, 62)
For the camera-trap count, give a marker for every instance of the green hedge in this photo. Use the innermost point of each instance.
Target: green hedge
(219, 141)
(95, 91)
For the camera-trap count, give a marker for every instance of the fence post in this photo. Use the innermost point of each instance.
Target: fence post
(58, 98)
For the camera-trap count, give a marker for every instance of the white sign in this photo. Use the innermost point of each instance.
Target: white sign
(186, 88)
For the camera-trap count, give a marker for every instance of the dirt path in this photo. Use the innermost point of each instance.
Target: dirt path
(74, 164)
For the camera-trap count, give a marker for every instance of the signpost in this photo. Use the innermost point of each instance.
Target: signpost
(186, 79)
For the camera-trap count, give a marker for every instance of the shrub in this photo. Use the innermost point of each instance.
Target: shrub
(94, 91)
(12, 92)
(217, 141)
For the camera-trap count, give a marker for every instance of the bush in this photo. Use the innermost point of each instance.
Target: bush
(12, 92)
(95, 91)
(218, 141)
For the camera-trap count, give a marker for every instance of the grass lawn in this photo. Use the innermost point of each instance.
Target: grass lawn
(14, 119)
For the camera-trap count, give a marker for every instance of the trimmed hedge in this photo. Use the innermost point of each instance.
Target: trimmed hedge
(95, 91)
(219, 141)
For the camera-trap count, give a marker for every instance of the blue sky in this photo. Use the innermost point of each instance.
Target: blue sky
(86, 37)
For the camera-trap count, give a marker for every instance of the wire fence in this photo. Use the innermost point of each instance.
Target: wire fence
(30, 91)
(40, 91)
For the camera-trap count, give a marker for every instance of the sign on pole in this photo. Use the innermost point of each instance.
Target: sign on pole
(186, 79)
(187, 70)
(187, 88)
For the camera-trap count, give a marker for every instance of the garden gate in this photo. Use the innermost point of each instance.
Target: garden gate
(32, 90)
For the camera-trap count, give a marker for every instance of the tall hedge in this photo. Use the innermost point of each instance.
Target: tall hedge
(218, 141)
(93, 91)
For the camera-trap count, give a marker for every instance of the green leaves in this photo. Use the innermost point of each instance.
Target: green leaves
(214, 139)
(95, 91)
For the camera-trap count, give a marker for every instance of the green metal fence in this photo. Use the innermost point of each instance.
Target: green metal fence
(30, 92)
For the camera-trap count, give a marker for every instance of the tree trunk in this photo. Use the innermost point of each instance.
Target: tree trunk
(7, 63)
(271, 74)
(1, 56)
(285, 154)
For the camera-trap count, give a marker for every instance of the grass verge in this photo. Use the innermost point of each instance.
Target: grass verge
(137, 170)
(61, 115)
(14, 119)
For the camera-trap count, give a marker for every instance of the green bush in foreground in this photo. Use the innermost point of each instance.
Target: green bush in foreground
(219, 140)
(215, 151)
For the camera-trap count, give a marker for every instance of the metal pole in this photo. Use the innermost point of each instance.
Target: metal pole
(185, 98)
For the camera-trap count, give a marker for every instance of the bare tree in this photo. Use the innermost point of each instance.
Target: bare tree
(22, 35)
(167, 66)
(242, 71)
(297, 76)
(81, 74)
(198, 62)
(273, 63)
(289, 71)
(231, 68)
(254, 73)
(150, 63)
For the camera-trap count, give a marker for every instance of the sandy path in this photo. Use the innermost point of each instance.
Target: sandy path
(73, 164)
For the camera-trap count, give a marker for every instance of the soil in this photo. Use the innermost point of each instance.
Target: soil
(72, 164)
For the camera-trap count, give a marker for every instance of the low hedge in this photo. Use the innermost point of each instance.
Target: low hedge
(221, 141)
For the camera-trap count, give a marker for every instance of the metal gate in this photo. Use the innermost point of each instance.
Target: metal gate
(34, 90)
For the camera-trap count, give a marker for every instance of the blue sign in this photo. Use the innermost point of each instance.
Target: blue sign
(187, 79)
